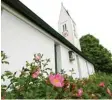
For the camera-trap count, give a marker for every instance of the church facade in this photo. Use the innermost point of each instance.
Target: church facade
(23, 34)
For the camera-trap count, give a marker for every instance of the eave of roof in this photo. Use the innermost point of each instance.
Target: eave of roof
(25, 11)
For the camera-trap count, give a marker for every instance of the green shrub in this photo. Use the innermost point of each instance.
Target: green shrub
(36, 81)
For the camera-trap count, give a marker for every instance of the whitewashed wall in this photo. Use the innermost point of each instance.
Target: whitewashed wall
(83, 66)
(91, 68)
(75, 34)
(66, 64)
(20, 41)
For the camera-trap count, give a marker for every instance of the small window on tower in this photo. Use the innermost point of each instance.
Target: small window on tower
(64, 27)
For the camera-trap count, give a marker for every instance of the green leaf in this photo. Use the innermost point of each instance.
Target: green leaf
(7, 73)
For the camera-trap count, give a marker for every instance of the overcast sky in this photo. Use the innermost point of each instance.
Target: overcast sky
(91, 16)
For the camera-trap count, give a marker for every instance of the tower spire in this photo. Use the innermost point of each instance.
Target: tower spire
(67, 27)
(61, 3)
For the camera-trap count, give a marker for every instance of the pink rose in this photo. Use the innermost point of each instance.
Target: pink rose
(80, 92)
(57, 80)
(102, 84)
(36, 73)
(37, 58)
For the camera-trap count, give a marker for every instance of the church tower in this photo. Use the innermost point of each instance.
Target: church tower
(67, 27)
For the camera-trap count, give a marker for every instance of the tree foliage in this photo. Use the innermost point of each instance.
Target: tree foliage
(101, 57)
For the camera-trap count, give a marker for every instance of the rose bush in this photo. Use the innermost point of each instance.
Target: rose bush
(36, 81)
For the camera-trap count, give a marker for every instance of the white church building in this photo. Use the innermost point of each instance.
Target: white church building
(23, 34)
